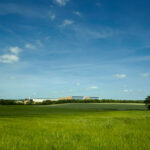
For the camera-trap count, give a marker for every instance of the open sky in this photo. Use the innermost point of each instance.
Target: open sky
(54, 48)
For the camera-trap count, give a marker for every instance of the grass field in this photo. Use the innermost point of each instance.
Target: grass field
(75, 127)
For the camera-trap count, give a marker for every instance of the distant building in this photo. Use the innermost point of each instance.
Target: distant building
(36, 100)
(27, 101)
(72, 98)
(91, 98)
(19, 101)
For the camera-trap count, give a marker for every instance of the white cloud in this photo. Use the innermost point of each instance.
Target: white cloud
(70, 91)
(30, 46)
(25, 10)
(136, 59)
(66, 22)
(61, 2)
(144, 75)
(120, 76)
(93, 88)
(97, 33)
(52, 16)
(12, 78)
(77, 84)
(15, 50)
(9, 58)
(12, 56)
(98, 4)
(38, 42)
(127, 90)
(77, 13)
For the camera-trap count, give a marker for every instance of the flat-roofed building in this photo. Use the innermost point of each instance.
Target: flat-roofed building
(36, 100)
(72, 97)
(91, 98)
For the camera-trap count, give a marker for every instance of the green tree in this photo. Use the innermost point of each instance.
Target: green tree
(47, 102)
(147, 102)
(7, 102)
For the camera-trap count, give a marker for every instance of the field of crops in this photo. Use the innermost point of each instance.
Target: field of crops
(75, 127)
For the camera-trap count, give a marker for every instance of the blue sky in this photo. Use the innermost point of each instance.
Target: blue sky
(54, 48)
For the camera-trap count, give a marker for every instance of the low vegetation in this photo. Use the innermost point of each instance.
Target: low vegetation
(74, 127)
(49, 102)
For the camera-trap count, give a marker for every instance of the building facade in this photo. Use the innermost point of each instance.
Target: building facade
(36, 100)
(72, 98)
(91, 98)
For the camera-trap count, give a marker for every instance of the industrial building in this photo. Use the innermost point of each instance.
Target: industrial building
(36, 100)
(72, 97)
(79, 98)
(91, 98)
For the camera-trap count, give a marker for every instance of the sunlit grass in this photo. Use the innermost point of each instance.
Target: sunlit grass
(74, 127)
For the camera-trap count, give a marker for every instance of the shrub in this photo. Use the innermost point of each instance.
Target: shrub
(7, 102)
(147, 102)
(47, 102)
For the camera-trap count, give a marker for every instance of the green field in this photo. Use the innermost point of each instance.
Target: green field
(75, 127)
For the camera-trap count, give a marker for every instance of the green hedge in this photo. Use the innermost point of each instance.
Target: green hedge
(7, 102)
(99, 101)
(49, 102)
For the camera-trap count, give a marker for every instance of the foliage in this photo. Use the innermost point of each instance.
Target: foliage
(7, 102)
(47, 102)
(50, 102)
(98, 101)
(29, 103)
(11, 102)
(147, 102)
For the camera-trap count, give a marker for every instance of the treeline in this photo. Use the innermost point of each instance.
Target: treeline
(49, 102)
(10, 102)
(99, 101)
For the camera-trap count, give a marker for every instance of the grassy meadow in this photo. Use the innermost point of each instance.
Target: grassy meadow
(75, 127)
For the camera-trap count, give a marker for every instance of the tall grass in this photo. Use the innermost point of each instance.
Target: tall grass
(74, 127)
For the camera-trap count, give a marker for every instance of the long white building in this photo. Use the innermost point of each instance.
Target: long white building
(44, 99)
